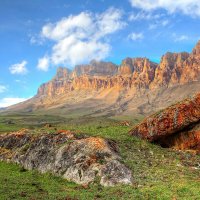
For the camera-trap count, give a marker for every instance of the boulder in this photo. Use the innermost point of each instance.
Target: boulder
(177, 126)
(79, 159)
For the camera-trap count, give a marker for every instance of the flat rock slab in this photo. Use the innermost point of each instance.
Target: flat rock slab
(75, 157)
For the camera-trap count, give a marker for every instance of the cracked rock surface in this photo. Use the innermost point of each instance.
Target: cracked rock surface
(177, 126)
(77, 158)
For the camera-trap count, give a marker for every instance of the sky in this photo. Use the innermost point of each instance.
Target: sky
(38, 36)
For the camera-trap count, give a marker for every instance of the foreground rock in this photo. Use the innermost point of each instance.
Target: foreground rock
(73, 156)
(177, 126)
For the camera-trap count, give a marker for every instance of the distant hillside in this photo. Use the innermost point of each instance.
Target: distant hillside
(136, 87)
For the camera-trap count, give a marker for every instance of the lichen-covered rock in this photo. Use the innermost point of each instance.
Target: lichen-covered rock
(75, 157)
(177, 126)
(184, 140)
(169, 120)
(15, 139)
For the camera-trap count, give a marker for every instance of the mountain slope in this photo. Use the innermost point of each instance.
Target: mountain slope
(137, 86)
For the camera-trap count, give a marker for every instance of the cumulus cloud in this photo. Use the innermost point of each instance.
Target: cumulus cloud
(5, 102)
(43, 63)
(188, 7)
(80, 25)
(81, 38)
(73, 51)
(19, 68)
(136, 36)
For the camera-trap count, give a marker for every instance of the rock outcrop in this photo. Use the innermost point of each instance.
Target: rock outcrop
(95, 68)
(170, 69)
(137, 85)
(133, 73)
(177, 126)
(75, 157)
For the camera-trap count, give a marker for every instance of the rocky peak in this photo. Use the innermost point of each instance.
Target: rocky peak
(62, 73)
(196, 50)
(170, 60)
(139, 73)
(138, 65)
(170, 69)
(126, 68)
(95, 68)
(191, 71)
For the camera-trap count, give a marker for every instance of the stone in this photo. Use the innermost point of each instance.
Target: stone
(78, 159)
(176, 126)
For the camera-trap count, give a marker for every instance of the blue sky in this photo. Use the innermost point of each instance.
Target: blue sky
(38, 36)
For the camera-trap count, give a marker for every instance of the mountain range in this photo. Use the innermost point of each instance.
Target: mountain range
(136, 87)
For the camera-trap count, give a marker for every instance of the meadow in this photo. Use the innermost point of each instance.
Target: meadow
(158, 173)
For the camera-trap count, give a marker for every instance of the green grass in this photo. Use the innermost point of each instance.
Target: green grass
(158, 173)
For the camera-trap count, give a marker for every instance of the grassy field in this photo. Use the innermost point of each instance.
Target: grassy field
(158, 173)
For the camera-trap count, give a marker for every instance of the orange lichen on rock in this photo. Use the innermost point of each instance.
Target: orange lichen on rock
(20, 132)
(65, 131)
(68, 133)
(187, 140)
(125, 123)
(177, 126)
(96, 143)
(79, 159)
(170, 120)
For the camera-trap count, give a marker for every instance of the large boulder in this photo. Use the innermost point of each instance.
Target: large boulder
(73, 156)
(177, 126)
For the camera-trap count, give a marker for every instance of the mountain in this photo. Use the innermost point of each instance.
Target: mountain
(137, 86)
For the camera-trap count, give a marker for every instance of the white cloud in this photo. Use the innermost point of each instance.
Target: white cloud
(5, 102)
(79, 25)
(81, 38)
(78, 51)
(179, 38)
(36, 40)
(158, 23)
(153, 26)
(2, 88)
(144, 16)
(165, 22)
(156, 19)
(43, 63)
(19, 68)
(188, 7)
(33, 40)
(136, 36)
(109, 22)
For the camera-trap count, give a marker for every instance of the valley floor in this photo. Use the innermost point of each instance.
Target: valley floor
(158, 173)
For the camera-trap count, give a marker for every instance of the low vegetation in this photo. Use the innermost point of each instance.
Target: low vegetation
(158, 173)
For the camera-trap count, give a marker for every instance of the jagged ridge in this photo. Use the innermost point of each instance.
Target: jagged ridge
(174, 68)
(138, 85)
